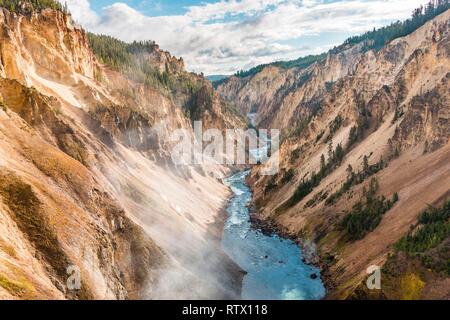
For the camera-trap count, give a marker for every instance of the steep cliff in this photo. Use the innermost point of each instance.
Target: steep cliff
(365, 148)
(86, 179)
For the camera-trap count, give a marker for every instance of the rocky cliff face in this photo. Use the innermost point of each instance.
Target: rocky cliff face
(85, 174)
(355, 117)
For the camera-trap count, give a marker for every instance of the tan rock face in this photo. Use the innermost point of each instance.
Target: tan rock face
(86, 178)
(394, 104)
(164, 61)
(47, 43)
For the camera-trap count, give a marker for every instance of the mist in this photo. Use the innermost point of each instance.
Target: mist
(182, 210)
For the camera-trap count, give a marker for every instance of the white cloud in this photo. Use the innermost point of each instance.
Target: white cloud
(82, 12)
(212, 43)
(223, 8)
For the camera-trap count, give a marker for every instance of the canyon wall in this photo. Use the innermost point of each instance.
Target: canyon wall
(86, 178)
(358, 117)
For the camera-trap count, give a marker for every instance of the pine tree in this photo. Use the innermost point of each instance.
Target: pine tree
(31, 5)
(350, 173)
(366, 165)
(323, 165)
(339, 154)
(330, 152)
(395, 197)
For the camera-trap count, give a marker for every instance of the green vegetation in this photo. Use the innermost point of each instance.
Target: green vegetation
(376, 39)
(130, 60)
(29, 6)
(319, 197)
(295, 154)
(357, 178)
(302, 62)
(366, 214)
(335, 125)
(354, 135)
(411, 285)
(429, 240)
(335, 157)
(111, 51)
(288, 176)
(15, 288)
(30, 219)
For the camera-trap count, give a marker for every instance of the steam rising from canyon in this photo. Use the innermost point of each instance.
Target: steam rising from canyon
(177, 207)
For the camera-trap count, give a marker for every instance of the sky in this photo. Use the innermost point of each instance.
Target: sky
(223, 36)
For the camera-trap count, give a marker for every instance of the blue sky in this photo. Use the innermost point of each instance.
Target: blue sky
(152, 7)
(223, 36)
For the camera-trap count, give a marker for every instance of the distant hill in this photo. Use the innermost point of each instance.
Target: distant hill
(217, 77)
(373, 40)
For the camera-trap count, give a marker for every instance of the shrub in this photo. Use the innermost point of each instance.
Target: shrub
(429, 241)
(335, 157)
(354, 179)
(366, 214)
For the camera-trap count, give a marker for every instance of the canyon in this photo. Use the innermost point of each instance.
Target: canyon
(354, 117)
(87, 178)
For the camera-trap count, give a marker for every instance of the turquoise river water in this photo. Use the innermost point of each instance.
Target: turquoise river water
(274, 265)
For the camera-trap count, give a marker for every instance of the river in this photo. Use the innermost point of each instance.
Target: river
(274, 266)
